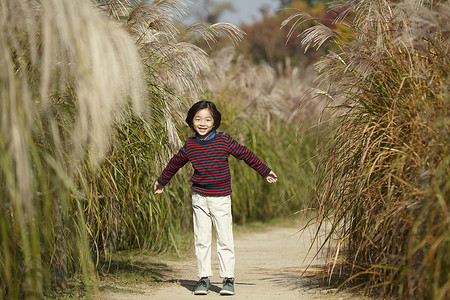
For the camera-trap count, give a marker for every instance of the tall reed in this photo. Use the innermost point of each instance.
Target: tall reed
(384, 177)
(60, 94)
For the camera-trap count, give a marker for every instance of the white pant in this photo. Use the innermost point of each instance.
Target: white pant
(209, 210)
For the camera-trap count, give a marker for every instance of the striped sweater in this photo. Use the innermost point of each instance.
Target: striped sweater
(210, 162)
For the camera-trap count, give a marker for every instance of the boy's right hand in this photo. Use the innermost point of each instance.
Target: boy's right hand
(272, 177)
(158, 188)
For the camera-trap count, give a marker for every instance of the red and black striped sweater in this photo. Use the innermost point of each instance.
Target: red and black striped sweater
(210, 162)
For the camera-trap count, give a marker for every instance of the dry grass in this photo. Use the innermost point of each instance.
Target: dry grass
(384, 177)
(74, 83)
(60, 95)
(282, 93)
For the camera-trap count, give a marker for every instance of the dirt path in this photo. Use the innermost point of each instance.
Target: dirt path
(269, 265)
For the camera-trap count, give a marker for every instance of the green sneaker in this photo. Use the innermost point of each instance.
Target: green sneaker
(202, 287)
(228, 287)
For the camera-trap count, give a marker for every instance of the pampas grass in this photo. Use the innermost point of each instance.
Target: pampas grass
(383, 180)
(60, 94)
(283, 92)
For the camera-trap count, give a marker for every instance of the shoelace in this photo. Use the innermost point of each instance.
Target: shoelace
(202, 282)
(228, 281)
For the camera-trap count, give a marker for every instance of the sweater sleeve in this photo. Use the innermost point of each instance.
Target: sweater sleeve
(175, 163)
(241, 152)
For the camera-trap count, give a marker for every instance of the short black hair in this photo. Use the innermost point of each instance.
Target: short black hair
(201, 105)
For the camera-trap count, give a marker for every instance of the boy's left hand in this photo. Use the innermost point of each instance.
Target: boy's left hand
(272, 177)
(158, 188)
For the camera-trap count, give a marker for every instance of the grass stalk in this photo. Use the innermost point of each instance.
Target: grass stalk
(383, 175)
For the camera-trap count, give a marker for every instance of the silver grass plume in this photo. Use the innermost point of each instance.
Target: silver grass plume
(114, 8)
(409, 23)
(66, 43)
(169, 56)
(211, 32)
(263, 91)
(168, 53)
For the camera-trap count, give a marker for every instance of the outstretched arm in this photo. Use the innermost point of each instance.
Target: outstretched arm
(241, 152)
(272, 177)
(175, 163)
(158, 188)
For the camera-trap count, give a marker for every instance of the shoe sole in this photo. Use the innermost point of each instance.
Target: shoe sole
(201, 293)
(226, 293)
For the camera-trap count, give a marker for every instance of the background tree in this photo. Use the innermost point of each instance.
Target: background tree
(211, 10)
(268, 41)
(287, 3)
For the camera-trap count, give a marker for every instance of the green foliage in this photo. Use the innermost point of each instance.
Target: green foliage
(384, 176)
(287, 151)
(52, 114)
(125, 214)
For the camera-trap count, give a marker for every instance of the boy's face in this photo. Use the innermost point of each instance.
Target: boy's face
(203, 122)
